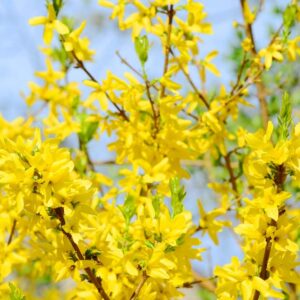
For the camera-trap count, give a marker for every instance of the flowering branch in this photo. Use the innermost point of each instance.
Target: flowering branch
(259, 85)
(171, 12)
(82, 66)
(59, 211)
(140, 286)
(279, 180)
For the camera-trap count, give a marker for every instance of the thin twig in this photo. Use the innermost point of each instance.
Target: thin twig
(140, 286)
(240, 73)
(97, 281)
(83, 148)
(171, 12)
(82, 66)
(259, 85)
(138, 73)
(13, 228)
(143, 75)
(230, 171)
(125, 62)
(189, 79)
(206, 283)
(279, 180)
(232, 177)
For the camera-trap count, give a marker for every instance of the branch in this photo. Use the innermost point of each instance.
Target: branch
(143, 75)
(83, 148)
(59, 211)
(189, 79)
(171, 12)
(232, 177)
(13, 229)
(259, 85)
(205, 283)
(138, 73)
(82, 66)
(140, 286)
(230, 171)
(125, 62)
(155, 110)
(264, 274)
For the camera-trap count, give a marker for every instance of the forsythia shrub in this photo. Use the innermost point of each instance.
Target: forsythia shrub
(131, 237)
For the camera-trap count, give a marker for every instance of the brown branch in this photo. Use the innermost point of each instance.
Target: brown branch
(230, 171)
(259, 85)
(242, 87)
(138, 73)
(240, 73)
(12, 231)
(279, 180)
(154, 109)
(191, 115)
(199, 228)
(140, 286)
(38, 111)
(189, 79)
(232, 177)
(205, 283)
(263, 273)
(125, 62)
(171, 12)
(97, 281)
(82, 66)
(83, 148)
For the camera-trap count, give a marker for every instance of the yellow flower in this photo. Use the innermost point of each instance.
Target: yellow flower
(274, 51)
(205, 64)
(248, 14)
(50, 23)
(293, 48)
(247, 44)
(79, 46)
(209, 223)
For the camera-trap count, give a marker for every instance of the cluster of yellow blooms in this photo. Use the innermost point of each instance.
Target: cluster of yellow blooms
(269, 226)
(61, 219)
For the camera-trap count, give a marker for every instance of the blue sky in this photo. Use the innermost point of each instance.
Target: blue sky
(20, 56)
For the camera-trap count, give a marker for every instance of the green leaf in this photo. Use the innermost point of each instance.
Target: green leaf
(92, 253)
(128, 209)
(177, 196)
(289, 17)
(156, 205)
(44, 280)
(57, 4)
(15, 293)
(169, 248)
(88, 128)
(206, 295)
(69, 22)
(81, 164)
(149, 244)
(180, 240)
(285, 117)
(58, 54)
(141, 45)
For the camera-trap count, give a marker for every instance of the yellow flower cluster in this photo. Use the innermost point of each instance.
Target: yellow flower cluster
(129, 236)
(269, 226)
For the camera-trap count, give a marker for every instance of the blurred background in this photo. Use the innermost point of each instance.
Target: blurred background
(20, 58)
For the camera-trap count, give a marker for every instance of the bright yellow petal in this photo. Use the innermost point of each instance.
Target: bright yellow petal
(37, 21)
(61, 27)
(48, 34)
(92, 84)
